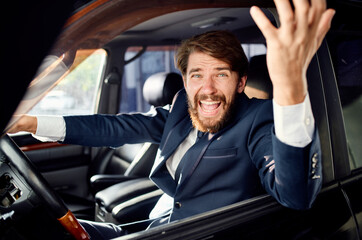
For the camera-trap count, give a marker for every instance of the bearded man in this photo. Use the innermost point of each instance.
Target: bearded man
(214, 142)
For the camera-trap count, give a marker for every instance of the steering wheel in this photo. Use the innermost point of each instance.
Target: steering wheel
(41, 187)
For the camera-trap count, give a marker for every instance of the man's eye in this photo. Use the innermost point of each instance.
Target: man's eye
(196, 76)
(222, 75)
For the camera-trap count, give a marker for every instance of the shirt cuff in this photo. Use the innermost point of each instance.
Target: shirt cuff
(294, 124)
(50, 128)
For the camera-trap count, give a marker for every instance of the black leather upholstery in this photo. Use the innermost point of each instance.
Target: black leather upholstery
(258, 84)
(115, 161)
(140, 166)
(127, 202)
(124, 191)
(131, 196)
(160, 88)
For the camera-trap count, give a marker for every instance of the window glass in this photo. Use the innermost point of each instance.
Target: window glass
(346, 52)
(155, 59)
(77, 92)
(254, 49)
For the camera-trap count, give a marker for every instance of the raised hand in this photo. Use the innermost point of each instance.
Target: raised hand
(290, 47)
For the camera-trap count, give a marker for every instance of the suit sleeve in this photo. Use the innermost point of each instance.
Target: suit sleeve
(292, 175)
(115, 130)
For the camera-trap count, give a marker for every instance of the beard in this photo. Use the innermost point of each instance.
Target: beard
(211, 125)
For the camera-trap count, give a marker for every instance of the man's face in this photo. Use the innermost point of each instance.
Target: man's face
(211, 88)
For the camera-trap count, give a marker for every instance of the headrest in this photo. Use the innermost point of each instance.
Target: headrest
(258, 84)
(160, 88)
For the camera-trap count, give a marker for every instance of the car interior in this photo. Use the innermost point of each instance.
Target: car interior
(136, 74)
(116, 176)
(258, 84)
(116, 167)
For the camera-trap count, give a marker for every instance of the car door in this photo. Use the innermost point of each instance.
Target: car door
(346, 51)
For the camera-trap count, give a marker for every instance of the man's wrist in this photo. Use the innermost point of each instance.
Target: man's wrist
(28, 124)
(293, 95)
(294, 124)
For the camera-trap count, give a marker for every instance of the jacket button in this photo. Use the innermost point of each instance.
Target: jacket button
(177, 205)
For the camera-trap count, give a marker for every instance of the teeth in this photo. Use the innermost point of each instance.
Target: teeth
(209, 103)
(208, 111)
(209, 106)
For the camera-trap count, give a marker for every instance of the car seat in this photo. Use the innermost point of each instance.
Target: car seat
(258, 84)
(130, 161)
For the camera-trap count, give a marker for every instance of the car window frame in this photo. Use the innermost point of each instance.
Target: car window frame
(334, 39)
(339, 148)
(204, 225)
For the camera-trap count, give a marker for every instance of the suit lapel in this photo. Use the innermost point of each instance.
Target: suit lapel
(195, 154)
(176, 136)
(189, 162)
(191, 159)
(159, 173)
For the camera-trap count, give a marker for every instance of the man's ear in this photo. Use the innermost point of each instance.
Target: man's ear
(241, 84)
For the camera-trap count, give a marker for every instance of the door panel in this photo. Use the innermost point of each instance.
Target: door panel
(327, 219)
(59, 157)
(71, 181)
(65, 167)
(263, 218)
(352, 188)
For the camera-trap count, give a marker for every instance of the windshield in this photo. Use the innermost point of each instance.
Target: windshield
(59, 90)
(51, 71)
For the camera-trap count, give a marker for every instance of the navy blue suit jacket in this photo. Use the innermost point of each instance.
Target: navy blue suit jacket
(241, 161)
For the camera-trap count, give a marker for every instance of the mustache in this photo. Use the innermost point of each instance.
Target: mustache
(210, 125)
(202, 97)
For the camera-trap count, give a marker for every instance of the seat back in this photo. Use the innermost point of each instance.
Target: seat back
(160, 88)
(113, 202)
(114, 161)
(134, 159)
(258, 84)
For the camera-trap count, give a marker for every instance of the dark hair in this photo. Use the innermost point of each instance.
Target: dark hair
(222, 45)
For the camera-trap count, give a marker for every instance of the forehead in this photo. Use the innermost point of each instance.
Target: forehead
(202, 60)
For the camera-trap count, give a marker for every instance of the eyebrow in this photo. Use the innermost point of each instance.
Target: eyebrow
(192, 70)
(223, 68)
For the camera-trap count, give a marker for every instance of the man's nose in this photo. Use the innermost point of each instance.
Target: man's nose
(208, 86)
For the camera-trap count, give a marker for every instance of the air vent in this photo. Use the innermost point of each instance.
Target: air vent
(9, 192)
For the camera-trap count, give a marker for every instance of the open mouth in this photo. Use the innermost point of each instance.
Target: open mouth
(209, 107)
